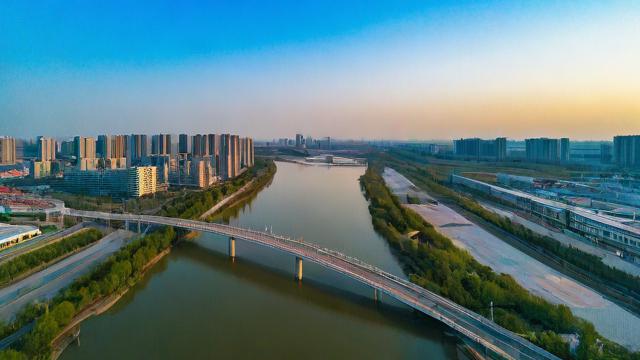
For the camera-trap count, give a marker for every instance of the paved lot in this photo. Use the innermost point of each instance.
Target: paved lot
(610, 319)
(607, 256)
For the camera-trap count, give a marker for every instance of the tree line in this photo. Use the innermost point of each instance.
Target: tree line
(588, 263)
(29, 261)
(120, 271)
(193, 204)
(433, 262)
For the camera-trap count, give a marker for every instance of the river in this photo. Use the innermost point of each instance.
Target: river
(199, 304)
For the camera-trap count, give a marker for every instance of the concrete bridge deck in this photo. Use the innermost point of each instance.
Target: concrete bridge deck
(495, 340)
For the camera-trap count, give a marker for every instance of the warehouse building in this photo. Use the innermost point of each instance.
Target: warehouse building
(599, 228)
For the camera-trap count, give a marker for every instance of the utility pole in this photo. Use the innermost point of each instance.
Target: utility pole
(491, 306)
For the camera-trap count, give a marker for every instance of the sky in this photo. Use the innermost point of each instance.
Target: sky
(361, 69)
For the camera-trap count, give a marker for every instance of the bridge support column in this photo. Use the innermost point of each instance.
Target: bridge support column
(298, 268)
(376, 295)
(138, 226)
(232, 248)
(126, 225)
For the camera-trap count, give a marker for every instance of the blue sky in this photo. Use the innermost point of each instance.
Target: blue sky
(370, 69)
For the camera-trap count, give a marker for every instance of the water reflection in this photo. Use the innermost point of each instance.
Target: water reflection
(197, 303)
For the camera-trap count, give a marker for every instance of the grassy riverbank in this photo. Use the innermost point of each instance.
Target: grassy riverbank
(122, 270)
(611, 281)
(193, 204)
(433, 262)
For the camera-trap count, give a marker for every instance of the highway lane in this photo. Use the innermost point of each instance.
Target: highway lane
(47, 283)
(40, 241)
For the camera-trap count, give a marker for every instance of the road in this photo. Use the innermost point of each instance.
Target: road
(39, 241)
(488, 335)
(493, 249)
(47, 283)
(607, 256)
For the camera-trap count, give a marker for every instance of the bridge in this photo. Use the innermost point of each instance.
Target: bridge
(496, 341)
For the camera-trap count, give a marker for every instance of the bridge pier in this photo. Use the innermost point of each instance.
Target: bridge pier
(126, 225)
(298, 268)
(138, 226)
(376, 295)
(232, 248)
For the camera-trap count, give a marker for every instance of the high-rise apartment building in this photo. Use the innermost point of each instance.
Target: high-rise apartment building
(251, 152)
(67, 148)
(201, 172)
(546, 150)
(605, 153)
(85, 147)
(142, 180)
(7, 150)
(85, 152)
(626, 151)
(299, 141)
(45, 155)
(112, 149)
(235, 155)
(40, 169)
(183, 144)
(479, 148)
(225, 171)
(161, 144)
(46, 149)
(103, 146)
(137, 150)
(214, 151)
(246, 152)
(199, 145)
(501, 148)
(565, 146)
(119, 145)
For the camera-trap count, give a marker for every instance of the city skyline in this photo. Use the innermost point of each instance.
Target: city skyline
(378, 71)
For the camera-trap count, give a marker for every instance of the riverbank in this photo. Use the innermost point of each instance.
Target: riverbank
(193, 204)
(98, 291)
(85, 295)
(260, 177)
(198, 291)
(227, 199)
(490, 248)
(65, 338)
(435, 263)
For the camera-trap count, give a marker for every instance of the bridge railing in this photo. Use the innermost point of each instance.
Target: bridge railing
(490, 329)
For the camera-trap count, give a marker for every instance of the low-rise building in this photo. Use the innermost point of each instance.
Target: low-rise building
(132, 182)
(592, 225)
(13, 234)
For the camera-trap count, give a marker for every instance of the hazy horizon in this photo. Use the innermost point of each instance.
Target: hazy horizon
(380, 70)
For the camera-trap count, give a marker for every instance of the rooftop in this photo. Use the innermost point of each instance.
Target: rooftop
(9, 231)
